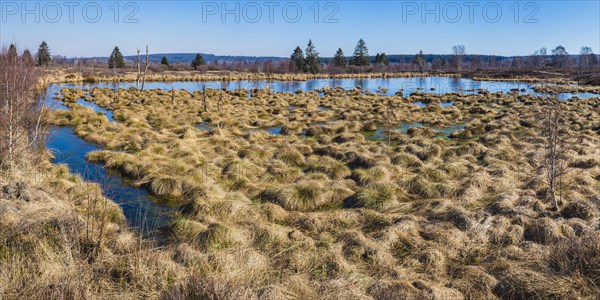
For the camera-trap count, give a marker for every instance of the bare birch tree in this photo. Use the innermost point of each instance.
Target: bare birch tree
(204, 98)
(458, 52)
(557, 143)
(138, 63)
(21, 122)
(145, 69)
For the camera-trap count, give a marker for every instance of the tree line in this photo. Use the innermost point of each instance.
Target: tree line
(42, 57)
(117, 61)
(308, 60)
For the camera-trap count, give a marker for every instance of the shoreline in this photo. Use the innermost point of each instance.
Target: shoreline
(552, 85)
(204, 77)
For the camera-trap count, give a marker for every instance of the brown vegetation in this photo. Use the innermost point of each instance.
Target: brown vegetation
(326, 210)
(63, 76)
(284, 200)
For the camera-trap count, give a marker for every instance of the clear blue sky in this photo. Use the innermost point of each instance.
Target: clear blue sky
(274, 28)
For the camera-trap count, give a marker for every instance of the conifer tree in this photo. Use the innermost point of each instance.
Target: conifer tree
(377, 59)
(383, 59)
(43, 55)
(361, 54)
(339, 60)
(116, 61)
(297, 60)
(27, 58)
(198, 61)
(312, 58)
(164, 61)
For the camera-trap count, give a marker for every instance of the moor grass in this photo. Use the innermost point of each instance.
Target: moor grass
(282, 199)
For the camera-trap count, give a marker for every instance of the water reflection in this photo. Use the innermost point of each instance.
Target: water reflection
(434, 85)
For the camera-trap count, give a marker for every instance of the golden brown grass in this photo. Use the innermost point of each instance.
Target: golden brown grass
(334, 215)
(63, 76)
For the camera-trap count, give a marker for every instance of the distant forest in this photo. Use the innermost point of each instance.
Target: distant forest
(186, 58)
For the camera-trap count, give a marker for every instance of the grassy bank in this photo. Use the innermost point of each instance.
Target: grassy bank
(63, 76)
(66, 75)
(60, 238)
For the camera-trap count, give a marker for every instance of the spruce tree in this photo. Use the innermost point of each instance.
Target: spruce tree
(116, 60)
(339, 60)
(383, 59)
(297, 60)
(43, 55)
(27, 58)
(361, 54)
(198, 61)
(164, 61)
(312, 58)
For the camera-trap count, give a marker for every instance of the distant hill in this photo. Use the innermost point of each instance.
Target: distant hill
(175, 58)
(186, 58)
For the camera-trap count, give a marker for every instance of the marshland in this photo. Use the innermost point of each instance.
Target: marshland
(343, 193)
(256, 174)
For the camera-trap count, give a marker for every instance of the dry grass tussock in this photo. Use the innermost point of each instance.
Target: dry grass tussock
(530, 79)
(62, 239)
(323, 209)
(563, 88)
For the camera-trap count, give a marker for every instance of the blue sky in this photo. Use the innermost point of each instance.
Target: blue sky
(274, 28)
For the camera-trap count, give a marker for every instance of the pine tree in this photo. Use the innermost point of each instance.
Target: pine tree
(43, 55)
(116, 61)
(361, 54)
(297, 60)
(339, 60)
(164, 61)
(27, 58)
(312, 58)
(198, 61)
(383, 59)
